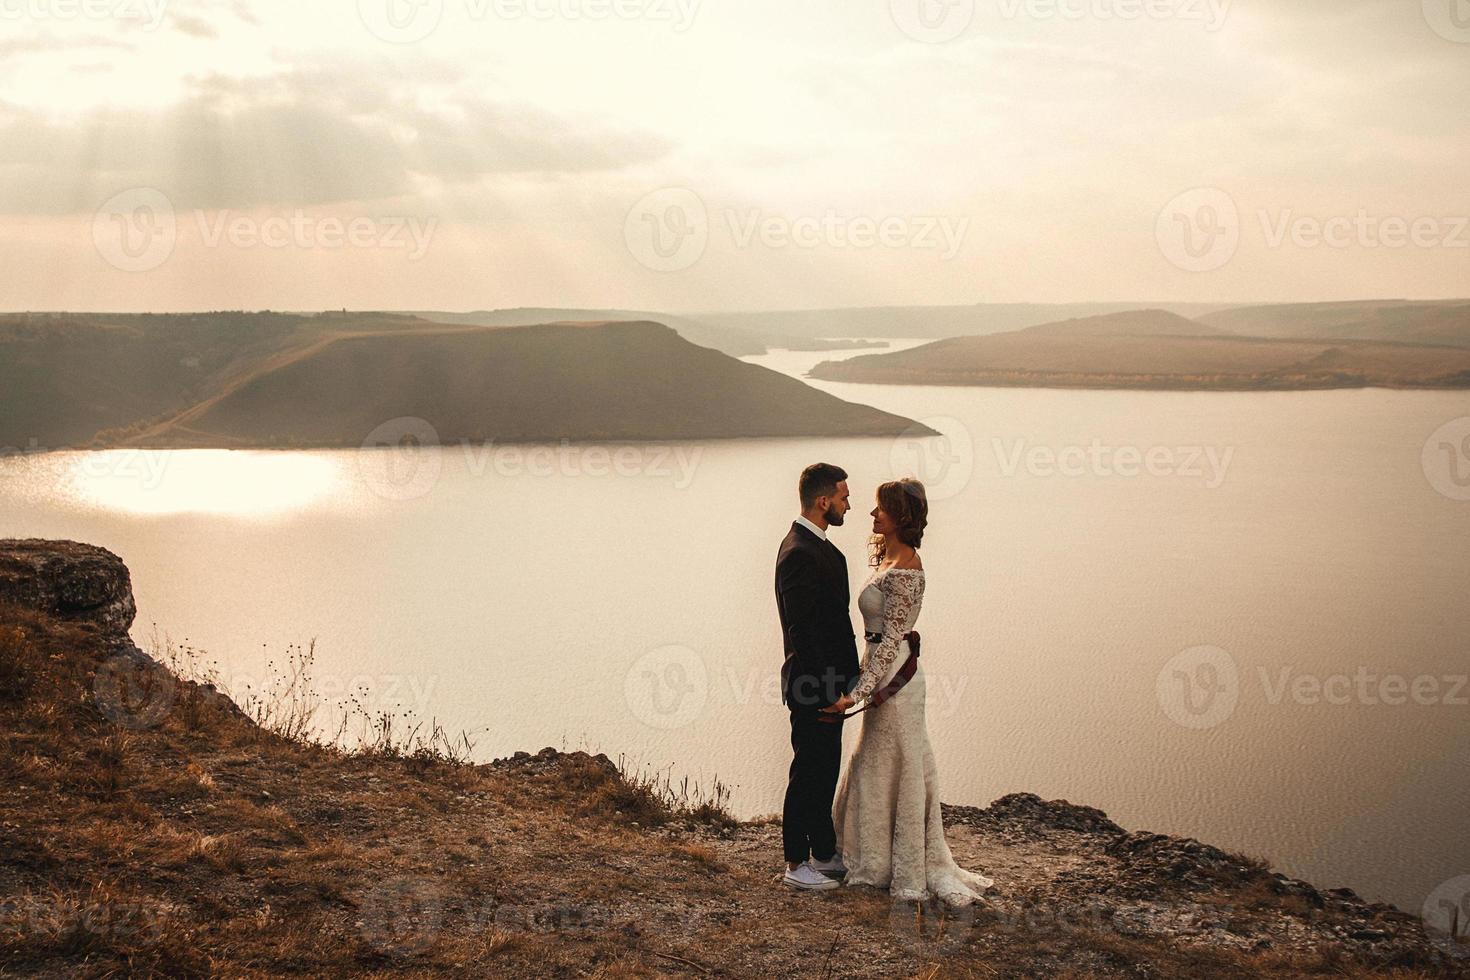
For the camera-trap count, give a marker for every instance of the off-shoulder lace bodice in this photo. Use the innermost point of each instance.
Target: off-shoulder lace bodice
(889, 603)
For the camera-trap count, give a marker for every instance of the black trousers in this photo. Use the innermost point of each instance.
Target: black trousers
(806, 819)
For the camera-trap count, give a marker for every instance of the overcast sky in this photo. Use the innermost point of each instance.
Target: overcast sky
(731, 154)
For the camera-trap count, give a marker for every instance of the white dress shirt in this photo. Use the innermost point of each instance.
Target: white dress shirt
(818, 531)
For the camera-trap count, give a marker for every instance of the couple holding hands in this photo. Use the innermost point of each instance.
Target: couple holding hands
(880, 824)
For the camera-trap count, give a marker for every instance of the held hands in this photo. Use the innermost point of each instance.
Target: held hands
(843, 703)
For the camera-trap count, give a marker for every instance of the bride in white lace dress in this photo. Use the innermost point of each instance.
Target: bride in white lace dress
(890, 833)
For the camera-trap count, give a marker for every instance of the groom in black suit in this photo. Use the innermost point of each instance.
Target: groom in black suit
(821, 666)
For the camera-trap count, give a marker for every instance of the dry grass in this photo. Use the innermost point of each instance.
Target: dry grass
(204, 844)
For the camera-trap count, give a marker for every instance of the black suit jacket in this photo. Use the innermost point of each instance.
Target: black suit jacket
(812, 598)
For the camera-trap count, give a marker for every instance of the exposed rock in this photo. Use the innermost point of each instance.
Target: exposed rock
(1027, 810)
(549, 759)
(1160, 858)
(68, 580)
(536, 843)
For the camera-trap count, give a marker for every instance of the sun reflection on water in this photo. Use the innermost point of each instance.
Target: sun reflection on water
(237, 482)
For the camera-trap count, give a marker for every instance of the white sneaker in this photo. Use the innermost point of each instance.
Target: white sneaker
(808, 878)
(832, 869)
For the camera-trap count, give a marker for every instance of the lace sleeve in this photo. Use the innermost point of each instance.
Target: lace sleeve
(901, 595)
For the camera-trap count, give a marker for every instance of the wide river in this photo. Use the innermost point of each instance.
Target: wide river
(1238, 617)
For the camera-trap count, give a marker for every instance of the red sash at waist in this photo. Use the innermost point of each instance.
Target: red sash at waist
(904, 675)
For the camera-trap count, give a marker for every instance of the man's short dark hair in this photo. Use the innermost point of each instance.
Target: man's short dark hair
(819, 480)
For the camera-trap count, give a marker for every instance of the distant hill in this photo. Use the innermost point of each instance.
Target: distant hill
(735, 341)
(1155, 349)
(929, 321)
(1440, 322)
(1132, 323)
(593, 381)
(65, 376)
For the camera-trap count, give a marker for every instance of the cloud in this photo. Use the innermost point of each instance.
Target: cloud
(191, 25)
(300, 137)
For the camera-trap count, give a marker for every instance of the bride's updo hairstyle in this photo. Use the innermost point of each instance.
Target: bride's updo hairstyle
(906, 504)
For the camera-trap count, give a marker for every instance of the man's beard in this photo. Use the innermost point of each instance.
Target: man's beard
(833, 516)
